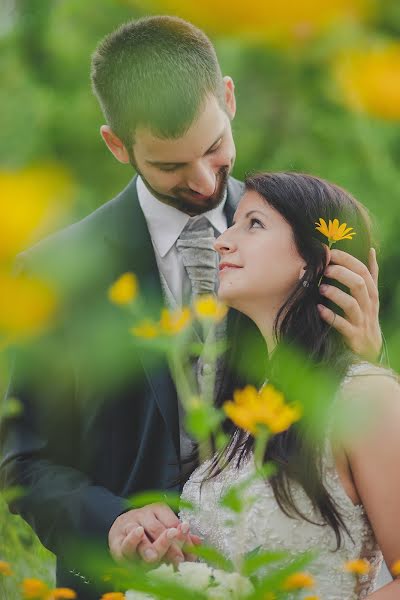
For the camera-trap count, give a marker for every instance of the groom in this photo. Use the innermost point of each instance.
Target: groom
(87, 440)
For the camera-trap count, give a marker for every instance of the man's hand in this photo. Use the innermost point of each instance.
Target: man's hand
(153, 533)
(360, 324)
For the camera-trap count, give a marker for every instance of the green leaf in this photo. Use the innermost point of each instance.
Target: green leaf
(256, 559)
(212, 557)
(272, 582)
(172, 499)
(231, 499)
(13, 493)
(202, 420)
(12, 407)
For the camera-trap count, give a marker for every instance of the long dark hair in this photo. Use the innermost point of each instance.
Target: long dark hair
(301, 200)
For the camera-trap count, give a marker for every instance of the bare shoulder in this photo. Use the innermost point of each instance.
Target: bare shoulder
(370, 398)
(370, 383)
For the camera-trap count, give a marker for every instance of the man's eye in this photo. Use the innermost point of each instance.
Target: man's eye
(168, 169)
(216, 147)
(256, 224)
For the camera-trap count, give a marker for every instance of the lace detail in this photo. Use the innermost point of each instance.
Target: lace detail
(263, 524)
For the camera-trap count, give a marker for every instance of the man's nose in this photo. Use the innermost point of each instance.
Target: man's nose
(202, 180)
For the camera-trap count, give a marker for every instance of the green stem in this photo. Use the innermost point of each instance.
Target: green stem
(330, 244)
(261, 442)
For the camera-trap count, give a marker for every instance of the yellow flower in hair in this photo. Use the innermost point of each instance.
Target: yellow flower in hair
(359, 566)
(208, 307)
(334, 231)
(298, 581)
(113, 596)
(124, 290)
(251, 409)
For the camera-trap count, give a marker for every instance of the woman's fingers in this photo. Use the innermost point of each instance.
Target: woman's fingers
(354, 282)
(373, 266)
(346, 302)
(336, 321)
(166, 546)
(129, 545)
(350, 268)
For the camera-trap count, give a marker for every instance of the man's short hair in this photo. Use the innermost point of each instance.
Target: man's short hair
(155, 72)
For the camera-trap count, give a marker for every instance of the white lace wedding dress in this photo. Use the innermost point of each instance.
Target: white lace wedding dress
(266, 526)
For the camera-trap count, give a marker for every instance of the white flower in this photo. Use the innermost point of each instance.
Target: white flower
(234, 583)
(198, 574)
(134, 595)
(164, 572)
(217, 593)
(218, 585)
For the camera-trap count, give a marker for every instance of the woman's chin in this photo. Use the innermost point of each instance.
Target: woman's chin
(226, 297)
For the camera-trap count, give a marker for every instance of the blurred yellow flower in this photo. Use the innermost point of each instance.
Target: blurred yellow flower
(34, 589)
(62, 594)
(207, 307)
(5, 568)
(147, 330)
(359, 566)
(369, 80)
(298, 581)
(334, 231)
(273, 21)
(124, 290)
(173, 322)
(27, 305)
(32, 201)
(395, 568)
(251, 408)
(311, 598)
(113, 596)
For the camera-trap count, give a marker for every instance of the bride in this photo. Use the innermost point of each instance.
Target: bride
(340, 495)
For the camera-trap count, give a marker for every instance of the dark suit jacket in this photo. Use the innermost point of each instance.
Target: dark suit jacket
(100, 419)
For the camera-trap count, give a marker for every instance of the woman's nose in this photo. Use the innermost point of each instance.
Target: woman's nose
(224, 244)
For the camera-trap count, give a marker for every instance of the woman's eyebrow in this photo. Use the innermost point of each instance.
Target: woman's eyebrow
(251, 212)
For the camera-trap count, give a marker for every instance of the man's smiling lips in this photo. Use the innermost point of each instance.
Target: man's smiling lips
(224, 266)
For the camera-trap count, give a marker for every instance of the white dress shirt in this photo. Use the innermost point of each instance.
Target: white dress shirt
(165, 224)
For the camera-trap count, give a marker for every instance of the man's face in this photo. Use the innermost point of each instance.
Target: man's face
(191, 172)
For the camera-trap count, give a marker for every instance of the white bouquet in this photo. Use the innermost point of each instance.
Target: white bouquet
(214, 583)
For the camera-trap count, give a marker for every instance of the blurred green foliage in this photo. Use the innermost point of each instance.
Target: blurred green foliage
(289, 118)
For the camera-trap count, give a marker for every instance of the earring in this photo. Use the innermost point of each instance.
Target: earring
(306, 283)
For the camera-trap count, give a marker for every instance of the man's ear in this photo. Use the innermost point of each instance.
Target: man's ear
(230, 100)
(114, 144)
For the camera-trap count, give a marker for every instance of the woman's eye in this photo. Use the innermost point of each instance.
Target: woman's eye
(256, 224)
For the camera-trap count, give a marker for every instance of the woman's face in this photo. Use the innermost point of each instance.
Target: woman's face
(259, 261)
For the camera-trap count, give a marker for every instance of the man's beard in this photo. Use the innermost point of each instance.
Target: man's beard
(181, 199)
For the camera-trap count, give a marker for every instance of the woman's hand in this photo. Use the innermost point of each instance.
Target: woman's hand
(360, 323)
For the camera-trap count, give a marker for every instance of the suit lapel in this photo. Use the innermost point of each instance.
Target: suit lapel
(133, 251)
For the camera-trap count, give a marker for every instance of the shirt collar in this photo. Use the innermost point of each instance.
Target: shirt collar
(166, 223)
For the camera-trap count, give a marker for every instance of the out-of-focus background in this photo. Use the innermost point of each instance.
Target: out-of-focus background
(318, 90)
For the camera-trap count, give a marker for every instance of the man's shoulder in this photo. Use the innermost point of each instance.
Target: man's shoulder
(235, 189)
(80, 242)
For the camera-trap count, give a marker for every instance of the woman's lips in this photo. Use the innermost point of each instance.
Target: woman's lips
(227, 267)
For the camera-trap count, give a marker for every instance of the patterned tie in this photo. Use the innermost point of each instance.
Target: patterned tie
(196, 247)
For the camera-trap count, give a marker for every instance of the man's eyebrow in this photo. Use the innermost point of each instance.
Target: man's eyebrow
(248, 214)
(160, 163)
